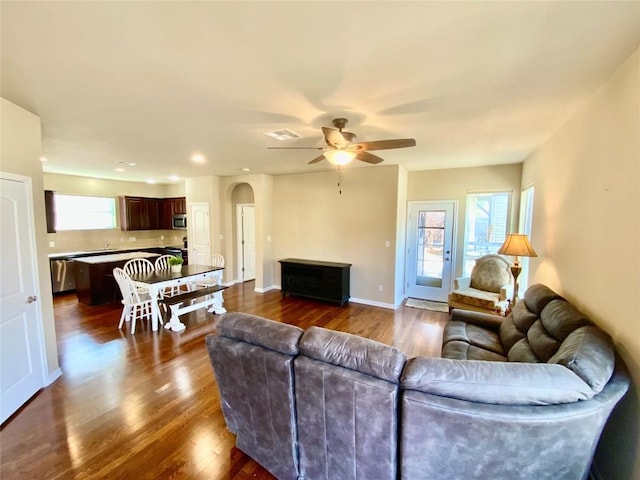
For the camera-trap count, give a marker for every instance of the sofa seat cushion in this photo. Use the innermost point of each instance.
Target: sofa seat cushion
(459, 350)
(473, 335)
(477, 298)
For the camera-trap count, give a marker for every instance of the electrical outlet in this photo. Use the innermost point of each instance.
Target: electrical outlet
(52, 244)
(380, 288)
(387, 244)
(161, 237)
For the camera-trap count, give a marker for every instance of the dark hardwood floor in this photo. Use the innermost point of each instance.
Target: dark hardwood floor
(146, 405)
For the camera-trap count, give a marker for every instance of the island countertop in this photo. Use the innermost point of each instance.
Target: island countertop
(116, 257)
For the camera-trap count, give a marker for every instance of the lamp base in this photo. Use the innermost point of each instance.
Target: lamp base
(515, 271)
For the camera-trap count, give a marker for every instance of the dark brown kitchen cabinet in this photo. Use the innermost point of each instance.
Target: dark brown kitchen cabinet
(142, 213)
(139, 213)
(50, 210)
(170, 207)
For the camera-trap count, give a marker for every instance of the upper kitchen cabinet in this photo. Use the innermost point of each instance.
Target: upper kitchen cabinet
(170, 207)
(141, 213)
(50, 210)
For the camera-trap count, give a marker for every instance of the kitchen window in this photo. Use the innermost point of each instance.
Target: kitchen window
(82, 212)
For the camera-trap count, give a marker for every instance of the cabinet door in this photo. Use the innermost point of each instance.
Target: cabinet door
(180, 205)
(131, 213)
(50, 211)
(151, 214)
(167, 209)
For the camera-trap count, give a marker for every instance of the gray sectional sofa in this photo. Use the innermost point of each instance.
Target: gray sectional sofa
(522, 397)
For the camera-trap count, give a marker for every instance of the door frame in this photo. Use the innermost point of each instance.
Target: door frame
(41, 369)
(240, 238)
(454, 238)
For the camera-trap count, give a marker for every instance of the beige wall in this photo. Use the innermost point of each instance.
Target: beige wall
(82, 240)
(312, 220)
(586, 230)
(455, 183)
(19, 154)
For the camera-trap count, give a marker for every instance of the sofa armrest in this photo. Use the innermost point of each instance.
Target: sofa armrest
(501, 383)
(486, 320)
(461, 283)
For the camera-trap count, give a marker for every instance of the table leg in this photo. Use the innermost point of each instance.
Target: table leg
(155, 311)
(174, 324)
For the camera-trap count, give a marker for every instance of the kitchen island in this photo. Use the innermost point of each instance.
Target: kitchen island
(95, 284)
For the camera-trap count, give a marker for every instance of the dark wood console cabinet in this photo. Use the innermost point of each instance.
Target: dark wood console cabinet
(312, 279)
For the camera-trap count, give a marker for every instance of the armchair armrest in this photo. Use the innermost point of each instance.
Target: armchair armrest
(461, 283)
(486, 320)
(501, 383)
(506, 292)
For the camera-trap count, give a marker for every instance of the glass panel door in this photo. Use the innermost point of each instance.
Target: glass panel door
(430, 246)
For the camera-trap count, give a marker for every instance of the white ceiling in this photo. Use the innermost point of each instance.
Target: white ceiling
(474, 83)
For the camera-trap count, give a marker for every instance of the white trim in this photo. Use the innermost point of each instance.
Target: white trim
(374, 303)
(267, 289)
(53, 376)
(35, 272)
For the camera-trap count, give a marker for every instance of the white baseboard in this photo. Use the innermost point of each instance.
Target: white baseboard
(373, 303)
(53, 376)
(266, 289)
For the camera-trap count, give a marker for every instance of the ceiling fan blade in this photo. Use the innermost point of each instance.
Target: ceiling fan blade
(334, 138)
(317, 159)
(295, 148)
(388, 144)
(368, 157)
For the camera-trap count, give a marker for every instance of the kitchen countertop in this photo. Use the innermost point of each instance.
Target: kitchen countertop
(102, 252)
(116, 257)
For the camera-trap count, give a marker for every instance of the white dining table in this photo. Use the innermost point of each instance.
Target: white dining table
(158, 280)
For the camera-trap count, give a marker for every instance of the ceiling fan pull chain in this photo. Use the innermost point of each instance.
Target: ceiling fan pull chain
(339, 181)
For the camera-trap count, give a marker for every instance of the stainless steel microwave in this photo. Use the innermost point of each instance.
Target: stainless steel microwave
(179, 221)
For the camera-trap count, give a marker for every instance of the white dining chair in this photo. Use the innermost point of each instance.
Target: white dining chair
(136, 305)
(139, 265)
(162, 263)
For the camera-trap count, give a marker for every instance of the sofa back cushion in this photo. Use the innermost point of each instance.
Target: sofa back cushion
(546, 328)
(270, 334)
(252, 358)
(353, 352)
(588, 352)
(347, 393)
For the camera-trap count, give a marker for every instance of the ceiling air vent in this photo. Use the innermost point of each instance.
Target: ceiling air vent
(284, 134)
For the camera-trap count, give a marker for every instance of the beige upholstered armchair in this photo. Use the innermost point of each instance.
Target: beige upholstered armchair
(487, 289)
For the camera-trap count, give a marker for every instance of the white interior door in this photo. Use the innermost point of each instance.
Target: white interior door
(246, 235)
(22, 368)
(199, 234)
(430, 250)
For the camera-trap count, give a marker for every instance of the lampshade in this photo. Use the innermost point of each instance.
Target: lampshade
(517, 244)
(339, 157)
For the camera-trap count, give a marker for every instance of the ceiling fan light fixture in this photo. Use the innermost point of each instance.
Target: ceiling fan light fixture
(339, 157)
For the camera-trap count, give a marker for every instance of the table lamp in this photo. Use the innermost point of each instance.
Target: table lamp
(516, 245)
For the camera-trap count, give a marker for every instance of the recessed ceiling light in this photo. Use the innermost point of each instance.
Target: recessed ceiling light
(198, 158)
(174, 178)
(132, 164)
(245, 169)
(119, 169)
(43, 159)
(284, 134)
(151, 181)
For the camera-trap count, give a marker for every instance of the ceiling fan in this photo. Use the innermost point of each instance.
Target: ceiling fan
(342, 147)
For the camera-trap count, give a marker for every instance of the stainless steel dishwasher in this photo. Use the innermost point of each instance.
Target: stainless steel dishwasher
(63, 275)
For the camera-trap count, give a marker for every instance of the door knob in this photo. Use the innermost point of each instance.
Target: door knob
(31, 299)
